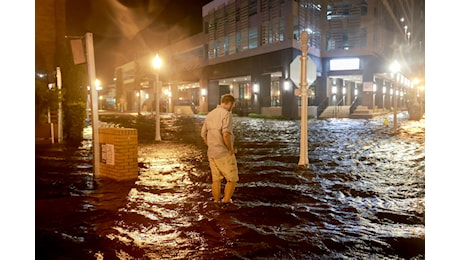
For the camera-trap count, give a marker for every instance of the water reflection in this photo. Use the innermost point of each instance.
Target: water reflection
(362, 195)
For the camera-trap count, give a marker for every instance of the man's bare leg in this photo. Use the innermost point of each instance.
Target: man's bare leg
(228, 192)
(216, 190)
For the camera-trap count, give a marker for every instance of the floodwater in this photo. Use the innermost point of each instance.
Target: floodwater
(361, 197)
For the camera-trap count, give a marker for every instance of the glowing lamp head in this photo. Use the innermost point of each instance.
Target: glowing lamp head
(395, 67)
(157, 62)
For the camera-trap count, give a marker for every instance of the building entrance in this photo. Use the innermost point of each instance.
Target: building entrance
(342, 90)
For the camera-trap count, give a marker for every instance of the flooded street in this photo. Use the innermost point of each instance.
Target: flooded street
(361, 197)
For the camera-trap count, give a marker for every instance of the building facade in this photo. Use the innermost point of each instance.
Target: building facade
(247, 47)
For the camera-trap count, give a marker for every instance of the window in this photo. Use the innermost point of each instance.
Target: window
(238, 42)
(308, 18)
(253, 38)
(226, 47)
(220, 46)
(206, 27)
(364, 7)
(212, 50)
(273, 31)
(252, 7)
(242, 40)
(345, 43)
(245, 91)
(338, 10)
(363, 37)
(275, 93)
(231, 43)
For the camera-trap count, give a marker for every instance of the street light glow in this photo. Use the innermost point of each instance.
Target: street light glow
(97, 83)
(256, 88)
(395, 67)
(157, 62)
(287, 86)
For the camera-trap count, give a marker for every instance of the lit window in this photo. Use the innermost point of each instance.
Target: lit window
(275, 93)
(253, 38)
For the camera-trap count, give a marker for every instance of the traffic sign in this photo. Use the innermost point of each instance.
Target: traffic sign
(294, 68)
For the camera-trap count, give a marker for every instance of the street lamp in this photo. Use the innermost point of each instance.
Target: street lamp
(97, 83)
(395, 67)
(157, 62)
(303, 160)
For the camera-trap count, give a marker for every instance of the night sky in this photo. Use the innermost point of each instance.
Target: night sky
(124, 29)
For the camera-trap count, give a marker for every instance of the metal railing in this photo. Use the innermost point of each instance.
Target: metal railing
(322, 106)
(356, 102)
(337, 108)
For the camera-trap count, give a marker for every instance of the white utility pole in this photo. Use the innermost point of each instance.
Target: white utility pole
(157, 108)
(51, 125)
(59, 115)
(94, 100)
(157, 63)
(304, 108)
(395, 68)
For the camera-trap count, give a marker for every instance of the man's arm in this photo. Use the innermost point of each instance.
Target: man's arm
(228, 142)
(204, 133)
(205, 140)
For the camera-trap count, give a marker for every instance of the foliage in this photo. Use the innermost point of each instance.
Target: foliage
(74, 121)
(73, 93)
(44, 99)
(74, 82)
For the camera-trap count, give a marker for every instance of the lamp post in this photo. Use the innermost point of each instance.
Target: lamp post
(59, 87)
(157, 62)
(395, 67)
(303, 160)
(91, 67)
(97, 83)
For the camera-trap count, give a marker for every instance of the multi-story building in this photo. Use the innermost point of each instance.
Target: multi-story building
(247, 46)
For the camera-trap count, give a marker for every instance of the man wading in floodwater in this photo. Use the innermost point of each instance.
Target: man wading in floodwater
(217, 133)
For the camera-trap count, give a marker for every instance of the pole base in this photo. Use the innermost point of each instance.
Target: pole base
(303, 162)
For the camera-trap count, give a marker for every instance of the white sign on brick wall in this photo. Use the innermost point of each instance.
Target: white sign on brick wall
(108, 154)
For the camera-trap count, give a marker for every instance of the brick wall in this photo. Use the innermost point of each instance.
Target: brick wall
(118, 153)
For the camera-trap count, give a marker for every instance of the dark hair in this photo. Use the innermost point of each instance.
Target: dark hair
(227, 98)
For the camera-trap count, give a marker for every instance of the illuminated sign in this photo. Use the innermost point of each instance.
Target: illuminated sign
(345, 64)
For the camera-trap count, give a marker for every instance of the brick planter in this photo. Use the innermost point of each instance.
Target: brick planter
(118, 153)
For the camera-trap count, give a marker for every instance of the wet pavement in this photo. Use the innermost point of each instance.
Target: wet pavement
(361, 197)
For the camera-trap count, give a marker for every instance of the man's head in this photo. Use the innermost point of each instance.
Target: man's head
(227, 101)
